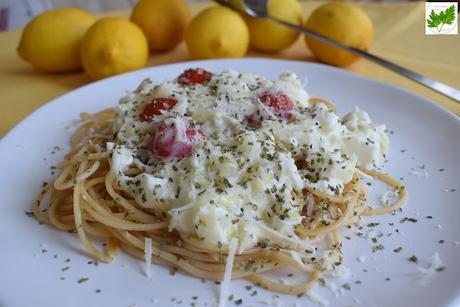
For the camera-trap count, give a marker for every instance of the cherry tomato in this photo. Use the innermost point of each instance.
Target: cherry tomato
(155, 106)
(278, 102)
(171, 141)
(194, 76)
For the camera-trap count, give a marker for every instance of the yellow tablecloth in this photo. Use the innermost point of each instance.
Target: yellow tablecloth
(399, 37)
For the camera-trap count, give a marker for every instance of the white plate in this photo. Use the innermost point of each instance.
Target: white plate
(424, 133)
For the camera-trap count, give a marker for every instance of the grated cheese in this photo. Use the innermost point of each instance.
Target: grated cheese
(296, 257)
(336, 291)
(427, 273)
(419, 174)
(281, 237)
(310, 204)
(341, 271)
(228, 272)
(148, 256)
(109, 146)
(274, 302)
(389, 197)
(316, 298)
(361, 259)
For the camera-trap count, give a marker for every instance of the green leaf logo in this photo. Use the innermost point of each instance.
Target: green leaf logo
(444, 17)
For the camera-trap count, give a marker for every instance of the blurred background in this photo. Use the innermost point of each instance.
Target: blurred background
(16, 13)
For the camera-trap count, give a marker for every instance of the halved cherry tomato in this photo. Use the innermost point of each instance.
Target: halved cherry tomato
(169, 142)
(194, 76)
(278, 102)
(155, 106)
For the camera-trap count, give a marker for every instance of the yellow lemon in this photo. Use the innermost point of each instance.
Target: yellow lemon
(217, 32)
(270, 36)
(51, 41)
(113, 45)
(343, 22)
(163, 22)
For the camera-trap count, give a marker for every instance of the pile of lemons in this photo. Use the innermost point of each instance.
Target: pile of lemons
(70, 39)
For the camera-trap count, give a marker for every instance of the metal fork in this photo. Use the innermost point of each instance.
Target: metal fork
(259, 8)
